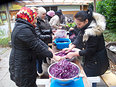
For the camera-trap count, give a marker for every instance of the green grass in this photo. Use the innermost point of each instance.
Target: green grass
(110, 35)
(4, 42)
(2, 33)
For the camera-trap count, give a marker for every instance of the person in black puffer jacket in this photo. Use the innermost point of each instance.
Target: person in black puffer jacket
(25, 47)
(44, 32)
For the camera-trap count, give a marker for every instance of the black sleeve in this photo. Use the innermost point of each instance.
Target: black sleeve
(76, 30)
(42, 35)
(91, 47)
(34, 43)
(45, 37)
(76, 41)
(48, 31)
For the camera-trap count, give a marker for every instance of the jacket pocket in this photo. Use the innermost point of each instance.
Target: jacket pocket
(102, 60)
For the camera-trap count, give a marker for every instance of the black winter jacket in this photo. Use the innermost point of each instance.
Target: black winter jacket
(91, 42)
(48, 17)
(25, 47)
(44, 31)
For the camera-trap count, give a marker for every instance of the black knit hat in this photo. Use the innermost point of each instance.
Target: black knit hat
(59, 13)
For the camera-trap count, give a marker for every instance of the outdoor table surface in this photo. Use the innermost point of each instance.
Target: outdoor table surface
(85, 80)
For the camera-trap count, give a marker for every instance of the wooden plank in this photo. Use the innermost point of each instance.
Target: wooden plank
(109, 78)
(94, 5)
(8, 19)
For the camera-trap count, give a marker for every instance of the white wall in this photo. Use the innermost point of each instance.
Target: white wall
(69, 8)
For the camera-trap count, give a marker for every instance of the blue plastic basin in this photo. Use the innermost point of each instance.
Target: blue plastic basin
(62, 43)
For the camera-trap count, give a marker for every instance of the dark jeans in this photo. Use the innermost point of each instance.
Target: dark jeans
(39, 63)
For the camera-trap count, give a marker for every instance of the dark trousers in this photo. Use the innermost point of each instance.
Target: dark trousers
(39, 63)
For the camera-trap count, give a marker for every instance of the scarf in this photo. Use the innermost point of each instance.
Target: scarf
(27, 14)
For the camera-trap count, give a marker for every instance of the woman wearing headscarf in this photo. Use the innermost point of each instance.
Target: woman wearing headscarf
(90, 42)
(25, 47)
(44, 32)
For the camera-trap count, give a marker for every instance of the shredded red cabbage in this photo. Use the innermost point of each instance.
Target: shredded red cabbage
(64, 70)
(63, 53)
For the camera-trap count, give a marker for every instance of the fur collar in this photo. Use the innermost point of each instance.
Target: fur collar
(96, 27)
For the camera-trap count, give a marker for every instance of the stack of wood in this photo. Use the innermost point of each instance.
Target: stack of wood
(110, 75)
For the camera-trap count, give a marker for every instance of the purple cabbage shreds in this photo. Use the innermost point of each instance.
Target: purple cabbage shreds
(64, 70)
(63, 53)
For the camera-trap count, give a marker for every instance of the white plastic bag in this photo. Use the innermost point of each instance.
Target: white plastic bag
(61, 34)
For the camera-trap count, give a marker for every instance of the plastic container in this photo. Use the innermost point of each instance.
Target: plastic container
(62, 43)
(61, 33)
(64, 81)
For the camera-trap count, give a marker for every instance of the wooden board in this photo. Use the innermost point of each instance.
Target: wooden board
(109, 78)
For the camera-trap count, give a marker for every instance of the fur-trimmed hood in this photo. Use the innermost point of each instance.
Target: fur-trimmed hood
(96, 27)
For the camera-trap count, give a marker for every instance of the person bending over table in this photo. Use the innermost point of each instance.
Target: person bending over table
(90, 43)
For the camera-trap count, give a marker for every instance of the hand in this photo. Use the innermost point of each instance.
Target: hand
(57, 58)
(72, 54)
(54, 37)
(76, 49)
(67, 50)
